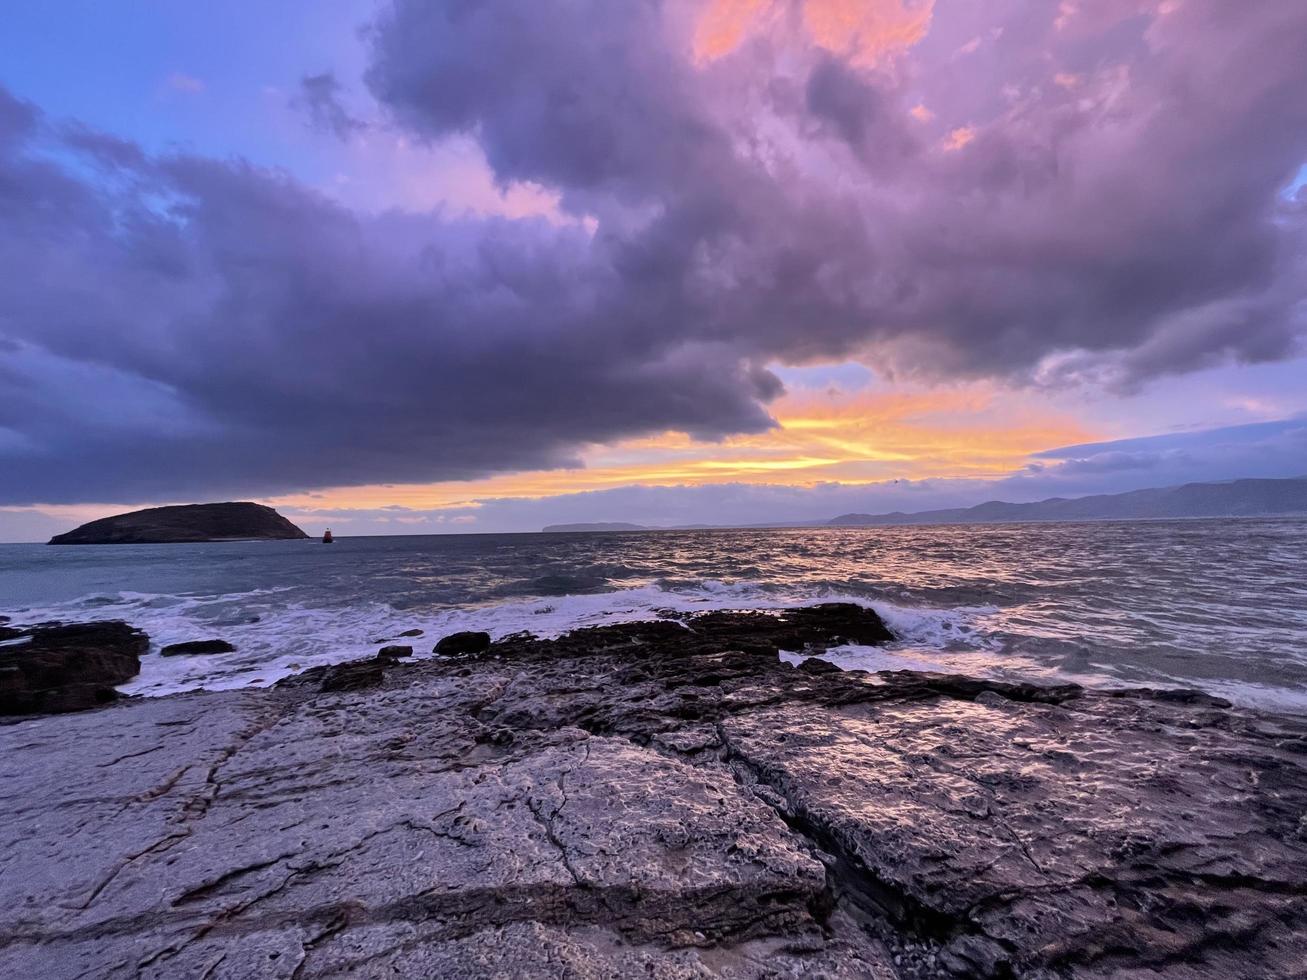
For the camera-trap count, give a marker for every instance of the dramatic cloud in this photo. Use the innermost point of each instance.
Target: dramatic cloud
(1130, 226)
(1091, 196)
(1271, 450)
(1267, 450)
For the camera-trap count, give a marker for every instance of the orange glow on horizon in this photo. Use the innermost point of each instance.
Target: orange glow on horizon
(832, 436)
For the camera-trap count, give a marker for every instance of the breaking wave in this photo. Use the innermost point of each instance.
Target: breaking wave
(1220, 605)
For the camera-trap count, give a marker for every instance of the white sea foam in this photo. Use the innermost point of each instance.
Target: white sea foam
(909, 655)
(1066, 604)
(275, 639)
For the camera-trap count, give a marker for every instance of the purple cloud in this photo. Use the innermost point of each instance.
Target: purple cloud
(179, 326)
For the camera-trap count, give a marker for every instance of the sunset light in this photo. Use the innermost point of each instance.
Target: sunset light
(716, 489)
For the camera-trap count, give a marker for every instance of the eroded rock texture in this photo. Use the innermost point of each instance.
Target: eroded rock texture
(648, 800)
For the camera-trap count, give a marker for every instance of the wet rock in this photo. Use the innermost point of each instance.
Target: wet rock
(910, 684)
(196, 647)
(819, 626)
(840, 622)
(653, 800)
(412, 632)
(973, 956)
(353, 676)
(1176, 696)
(63, 668)
(394, 652)
(1084, 839)
(459, 644)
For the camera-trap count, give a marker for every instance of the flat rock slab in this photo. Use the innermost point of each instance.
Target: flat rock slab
(636, 802)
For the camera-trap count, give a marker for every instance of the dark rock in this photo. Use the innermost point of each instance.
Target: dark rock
(353, 676)
(459, 644)
(196, 647)
(650, 799)
(494, 736)
(841, 622)
(765, 633)
(827, 624)
(185, 524)
(992, 699)
(973, 956)
(815, 665)
(1176, 696)
(68, 668)
(909, 684)
(394, 652)
(414, 632)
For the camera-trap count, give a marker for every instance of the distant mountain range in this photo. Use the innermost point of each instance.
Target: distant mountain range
(1233, 498)
(597, 526)
(623, 526)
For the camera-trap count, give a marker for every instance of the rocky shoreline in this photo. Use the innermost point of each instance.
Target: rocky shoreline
(655, 799)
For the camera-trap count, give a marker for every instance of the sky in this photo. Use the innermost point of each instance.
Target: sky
(412, 267)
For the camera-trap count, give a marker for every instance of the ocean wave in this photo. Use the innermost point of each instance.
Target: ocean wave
(276, 639)
(1123, 606)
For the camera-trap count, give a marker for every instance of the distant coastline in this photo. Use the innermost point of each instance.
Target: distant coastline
(1229, 499)
(596, 526)
(1235, 498)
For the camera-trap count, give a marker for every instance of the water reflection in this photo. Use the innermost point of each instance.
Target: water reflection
(1222, 604)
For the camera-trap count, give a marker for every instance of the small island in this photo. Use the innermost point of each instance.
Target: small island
(186, 524)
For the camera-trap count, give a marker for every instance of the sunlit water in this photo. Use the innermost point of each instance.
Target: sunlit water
(1220, 605)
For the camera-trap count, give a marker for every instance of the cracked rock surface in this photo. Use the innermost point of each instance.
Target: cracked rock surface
(652, 800)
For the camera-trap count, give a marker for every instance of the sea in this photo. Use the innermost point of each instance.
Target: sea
(1219, 605)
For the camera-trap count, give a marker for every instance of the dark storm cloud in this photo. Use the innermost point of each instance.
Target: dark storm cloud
(582, 95)
(844, 103)
(1118, 201)
(1112, 210)
(221, 330)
